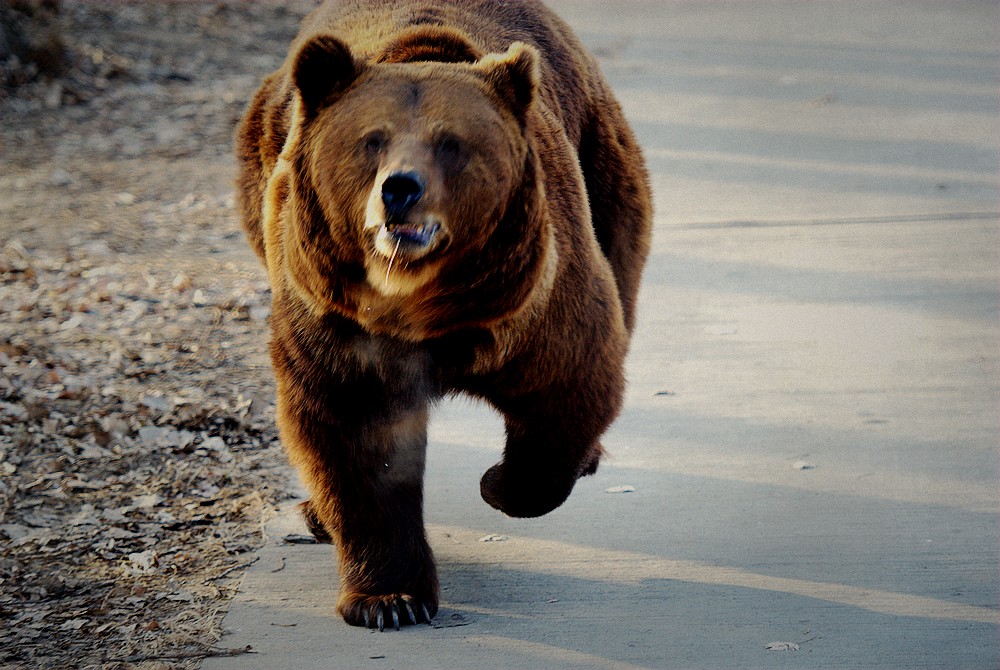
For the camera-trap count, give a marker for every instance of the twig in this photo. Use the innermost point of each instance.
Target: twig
(391, 259)
(235, 567)
(210, 652)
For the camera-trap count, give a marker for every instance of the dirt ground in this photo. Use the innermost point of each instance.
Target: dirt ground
(138, 458)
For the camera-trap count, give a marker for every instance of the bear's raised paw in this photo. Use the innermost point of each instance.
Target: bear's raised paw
(523, 493)
(531, 489)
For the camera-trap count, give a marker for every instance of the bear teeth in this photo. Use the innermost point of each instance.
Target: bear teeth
(414, 233)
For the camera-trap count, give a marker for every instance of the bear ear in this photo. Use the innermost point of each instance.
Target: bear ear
(323, 68)
(514, 75)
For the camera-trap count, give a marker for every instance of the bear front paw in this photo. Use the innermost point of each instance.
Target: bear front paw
(394, 609)
(536, 488)
(523, 494)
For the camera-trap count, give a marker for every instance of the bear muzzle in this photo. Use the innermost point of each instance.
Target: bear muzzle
(404, 222)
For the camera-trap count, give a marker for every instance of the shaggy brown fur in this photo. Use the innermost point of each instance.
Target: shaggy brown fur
(447, 199)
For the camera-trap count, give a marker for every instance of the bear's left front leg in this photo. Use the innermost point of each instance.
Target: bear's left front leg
(364, 471)
(552, 440)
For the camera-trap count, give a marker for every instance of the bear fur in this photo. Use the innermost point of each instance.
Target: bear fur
(447, 199)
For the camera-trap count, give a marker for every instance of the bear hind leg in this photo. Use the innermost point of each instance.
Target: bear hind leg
(620, 200)
(313, 523)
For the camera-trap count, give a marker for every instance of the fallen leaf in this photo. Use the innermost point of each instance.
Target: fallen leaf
(76, 484)
(215, 442)
(158, 403)
(73, 624)
(14, 531)
(147, 501)
(144, 561)
(85, 517)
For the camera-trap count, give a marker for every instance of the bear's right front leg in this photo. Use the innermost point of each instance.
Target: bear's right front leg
(362, 460)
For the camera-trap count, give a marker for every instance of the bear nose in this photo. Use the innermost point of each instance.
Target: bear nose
(400, 192)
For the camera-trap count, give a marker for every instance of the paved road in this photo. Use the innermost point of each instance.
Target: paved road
(812, 423)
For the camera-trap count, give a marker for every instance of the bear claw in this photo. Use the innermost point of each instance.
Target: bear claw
(385, 611)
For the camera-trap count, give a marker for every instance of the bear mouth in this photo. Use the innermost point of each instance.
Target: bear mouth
(416, 236)
(410, 240)
(403, 256)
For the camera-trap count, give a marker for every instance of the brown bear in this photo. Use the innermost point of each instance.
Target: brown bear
(448, 200)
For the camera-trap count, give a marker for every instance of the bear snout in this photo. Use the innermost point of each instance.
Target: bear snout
(402, 217)
(400, 192)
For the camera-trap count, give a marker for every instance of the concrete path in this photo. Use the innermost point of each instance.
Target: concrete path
(811, 428)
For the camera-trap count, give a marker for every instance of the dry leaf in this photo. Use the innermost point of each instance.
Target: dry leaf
(144, 561)
(107, 366)
(74, 624)
(147, 501)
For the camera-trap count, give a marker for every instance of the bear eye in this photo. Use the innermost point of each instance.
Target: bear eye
(449, 148)
(374, 142)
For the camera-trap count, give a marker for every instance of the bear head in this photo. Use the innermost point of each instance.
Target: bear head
(414, 184)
